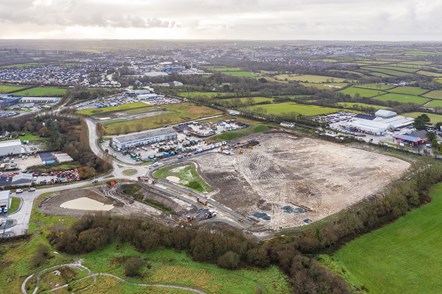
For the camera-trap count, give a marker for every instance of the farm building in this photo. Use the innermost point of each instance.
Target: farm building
(11, 147)
(144, 138)
(5, 199)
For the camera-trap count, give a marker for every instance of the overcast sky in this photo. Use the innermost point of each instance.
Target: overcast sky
(393, 20)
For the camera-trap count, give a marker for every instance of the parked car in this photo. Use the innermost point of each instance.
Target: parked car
(18, 191)
(31, 189)
(95, 181)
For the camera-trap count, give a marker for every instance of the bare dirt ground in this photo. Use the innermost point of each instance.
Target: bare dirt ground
(52, 204)
(289, 172)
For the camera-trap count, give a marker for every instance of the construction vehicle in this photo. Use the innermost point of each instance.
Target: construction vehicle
(112, 183)
(202, 200)
(241, 151)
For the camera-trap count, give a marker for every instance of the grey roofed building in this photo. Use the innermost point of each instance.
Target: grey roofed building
(144, 138)
(10, 147)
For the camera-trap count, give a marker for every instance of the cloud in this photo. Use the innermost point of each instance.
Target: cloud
(233, 19)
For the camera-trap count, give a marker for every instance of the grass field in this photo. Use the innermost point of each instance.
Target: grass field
(289, 107)
(122, 107)
(232, 71)
(374, 86)
(309, 78)
(43, 91)
(352, 91)
(435, 103)
(385, 71)
(402, 257)
(408, 90)
(401, 98)
(246, 100)
(4, 88)
(187, 174)
(434, 118)
(233, 135)
(222, 68)
(244, 74)
(429, 73)
(353, 104)
(205, 95)
(399, 68)
(325, 86)
(434, 94)
(176, 113)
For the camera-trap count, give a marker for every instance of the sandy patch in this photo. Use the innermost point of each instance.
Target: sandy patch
(173, 179)
(84, 203)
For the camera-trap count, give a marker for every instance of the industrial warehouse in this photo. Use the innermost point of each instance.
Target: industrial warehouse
(377, 124)
(144, 138)
(11, 147)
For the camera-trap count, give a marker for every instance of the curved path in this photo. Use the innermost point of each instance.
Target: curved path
(95, 275)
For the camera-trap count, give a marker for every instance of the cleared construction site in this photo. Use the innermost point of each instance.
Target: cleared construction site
(286, 181)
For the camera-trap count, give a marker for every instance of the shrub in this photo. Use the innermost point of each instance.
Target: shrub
(229, 260)
(132, 266)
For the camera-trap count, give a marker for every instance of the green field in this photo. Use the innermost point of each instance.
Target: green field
(244, 74)
(205, 95)
(187, 174)
(232, 71)
(402, 257)
(374, 86)
(122, 107)
(222, 68)
(401, 98)
(246, 100)
(435, 103)
(434, 94)
(290, 107)
(362, 105)
(429, 73)
(434, 118)
(4, 88)
(408, 90)
(325, 86)
(352, 91)
(309, 78)
(399, 68)
(176, 113)
(233, 135)
(43, 91)
(385, 71)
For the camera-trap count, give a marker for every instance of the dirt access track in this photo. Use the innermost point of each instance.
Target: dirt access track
(289, 172)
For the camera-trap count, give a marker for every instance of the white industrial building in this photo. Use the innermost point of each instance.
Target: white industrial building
(40, 100)
(11, 147)
(5, 199)
(380, 123)
(144, 138)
